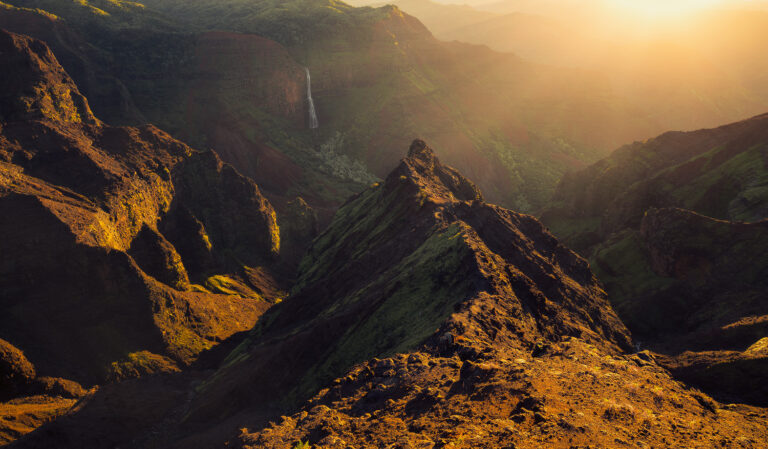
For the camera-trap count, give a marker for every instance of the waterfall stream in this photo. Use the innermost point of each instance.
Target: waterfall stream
(313, 123)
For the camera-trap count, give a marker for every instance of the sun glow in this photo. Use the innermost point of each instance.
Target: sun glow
(664, 9)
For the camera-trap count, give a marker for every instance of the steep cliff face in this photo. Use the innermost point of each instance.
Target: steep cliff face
(260, 69)
(445, 322)
(674, 228)
(242, 87)
(100, 226)
(691, 277)
(717, 274)
(239, 75)
(106, 94)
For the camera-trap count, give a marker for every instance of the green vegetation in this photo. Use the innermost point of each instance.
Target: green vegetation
(419, 297)
(47, 14)
(290, 22)
(141, 363)
(736, 189)
(226, 285)
(685, 270)
(348, 220)
(223, 285)
(116, 13)
(401, 306)
(572, 228)
(622, 264)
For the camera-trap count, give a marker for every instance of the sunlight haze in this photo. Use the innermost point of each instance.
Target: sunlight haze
(335, 224)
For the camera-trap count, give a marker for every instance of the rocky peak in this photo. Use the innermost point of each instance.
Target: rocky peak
(34, 86)
(420, 150)
(434, 181)
(419, 261)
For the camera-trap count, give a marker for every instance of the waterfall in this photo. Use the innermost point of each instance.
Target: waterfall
(313, 123)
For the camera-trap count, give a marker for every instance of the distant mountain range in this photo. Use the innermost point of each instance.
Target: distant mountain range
(378, 76)
(705, 72)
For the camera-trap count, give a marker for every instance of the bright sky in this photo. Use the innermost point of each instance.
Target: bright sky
(665, 9)
(659, 12)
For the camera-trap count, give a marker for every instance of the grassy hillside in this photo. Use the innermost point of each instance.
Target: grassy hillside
(675, 228)
(717, 172)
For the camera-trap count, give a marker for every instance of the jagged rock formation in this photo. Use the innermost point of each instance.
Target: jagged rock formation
(445, 322)
(116, 240)
(675, 229)
(36, 87)
(16, 373)
(28, 400)
(415, 258)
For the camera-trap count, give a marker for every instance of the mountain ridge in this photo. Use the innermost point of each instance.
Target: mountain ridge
(674, 228)
(473, 327)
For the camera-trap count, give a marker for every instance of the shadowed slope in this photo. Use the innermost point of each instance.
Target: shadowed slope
(79, 199)
(681, 280)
